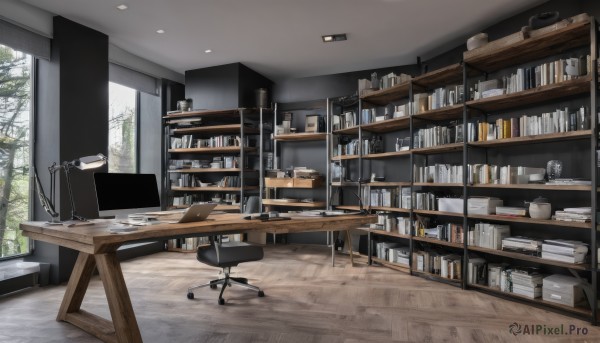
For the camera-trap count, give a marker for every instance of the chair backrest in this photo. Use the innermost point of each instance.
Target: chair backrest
(252, 204)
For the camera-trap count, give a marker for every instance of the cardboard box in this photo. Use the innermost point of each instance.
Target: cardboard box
(450, 205)
(483, 205)
(562, 289)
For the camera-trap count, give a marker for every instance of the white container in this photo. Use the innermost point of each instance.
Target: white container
(483, 205)
(562, 289)
(450, 205)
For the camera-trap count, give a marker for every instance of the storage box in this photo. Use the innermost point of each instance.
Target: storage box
(562, 289)
(483, 205)
(279, 182)
(307, 183)
(450, 205)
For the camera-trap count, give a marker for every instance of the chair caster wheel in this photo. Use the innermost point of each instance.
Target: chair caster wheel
(221, 301)
(213, 286)
(190, 295)
(261, 294)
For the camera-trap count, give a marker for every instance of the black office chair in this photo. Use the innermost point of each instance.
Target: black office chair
(227, 255)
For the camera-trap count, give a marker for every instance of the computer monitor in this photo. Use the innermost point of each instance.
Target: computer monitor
(120, 194)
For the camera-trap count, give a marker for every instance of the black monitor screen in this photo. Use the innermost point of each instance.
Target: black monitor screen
(117, 191)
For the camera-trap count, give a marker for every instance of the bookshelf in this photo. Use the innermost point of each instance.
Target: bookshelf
(211, 155)
(307, 193)
(575, 145)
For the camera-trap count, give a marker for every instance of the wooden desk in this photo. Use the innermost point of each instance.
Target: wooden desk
(97, 248)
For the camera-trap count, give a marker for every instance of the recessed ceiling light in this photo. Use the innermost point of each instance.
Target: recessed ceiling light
(122, 7)
(207, 51)
(334, 38)
(160, 31)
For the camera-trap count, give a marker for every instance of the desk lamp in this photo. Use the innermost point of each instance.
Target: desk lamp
(82, 163)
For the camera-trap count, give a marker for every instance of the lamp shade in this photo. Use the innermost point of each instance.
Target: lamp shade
(90, 162)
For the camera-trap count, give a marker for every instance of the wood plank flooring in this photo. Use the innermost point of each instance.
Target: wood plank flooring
(307, 301)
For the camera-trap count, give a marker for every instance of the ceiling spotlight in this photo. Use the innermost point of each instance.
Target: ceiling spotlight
(160, 31)
(334, 38)
(122, 7)
(207, 51)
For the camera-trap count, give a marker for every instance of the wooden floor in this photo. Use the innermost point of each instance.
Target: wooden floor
(306, 301)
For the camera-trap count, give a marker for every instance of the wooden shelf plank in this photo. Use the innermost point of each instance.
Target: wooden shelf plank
(536, 186)
(438, 213)
(388, 95)
(523, 257)
(344, 184)
(552, 137)
(578, 310)
(387, 184)
(215, 113)
(444, 113)
(534, 95)
(221, 150)
(273, 202)
(437, 277)
(388, 209)
(389, 125)
(396, 266)
(347, 207)
(434, 184)
(438, 242)
(440, 77)
(212, 189)
(383, 155)
(345, 157)
(551, 43)
(453, 147)
(220, 207)
(301, 137)
(347, 131)
(230, 128)
(211, 170)
(527, 220)
(390, 234)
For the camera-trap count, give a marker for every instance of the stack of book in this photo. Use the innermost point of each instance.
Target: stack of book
(564, 251)
(487, 235)
(575, 214)
(523, 245)
(511, 211)
(526, 281)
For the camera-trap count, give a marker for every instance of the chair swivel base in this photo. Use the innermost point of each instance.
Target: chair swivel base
(227, 281)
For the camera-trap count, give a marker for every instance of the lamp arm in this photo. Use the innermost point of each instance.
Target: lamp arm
(46, 203)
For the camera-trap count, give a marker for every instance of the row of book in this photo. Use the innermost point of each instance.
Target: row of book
(439, 98)
(188, 141)
(438, 173)
(227, 162)
(390, 222)
(393, 252)
(448, 232)
(528, 282)
(488, 235)
(445, 265)
(536, 76)
(189, 199)
(438, 135)
(380, 197)
(561, 120)
(503, 175)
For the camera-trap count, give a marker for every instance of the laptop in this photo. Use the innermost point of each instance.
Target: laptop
(196, 213)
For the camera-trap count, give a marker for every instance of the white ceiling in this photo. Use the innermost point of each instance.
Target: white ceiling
(282, 38)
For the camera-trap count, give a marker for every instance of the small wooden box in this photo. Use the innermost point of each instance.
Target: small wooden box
(279, 182)
(307, 183)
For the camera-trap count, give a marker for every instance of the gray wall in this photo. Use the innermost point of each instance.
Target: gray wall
(71, 121)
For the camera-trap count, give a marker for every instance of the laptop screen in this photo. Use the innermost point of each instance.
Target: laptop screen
(120, 194)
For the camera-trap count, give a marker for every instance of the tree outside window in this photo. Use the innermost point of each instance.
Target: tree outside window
(15, 125)
(122, 128)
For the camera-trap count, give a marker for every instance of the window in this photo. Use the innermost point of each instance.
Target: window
(15, 149)
(122, 129)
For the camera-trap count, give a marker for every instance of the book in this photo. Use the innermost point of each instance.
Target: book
(511, 211)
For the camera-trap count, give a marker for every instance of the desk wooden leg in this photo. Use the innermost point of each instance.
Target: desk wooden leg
(349, 235)
(78, 284)
(119, 303)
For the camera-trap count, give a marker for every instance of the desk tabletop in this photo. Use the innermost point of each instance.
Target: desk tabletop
(97, 237)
